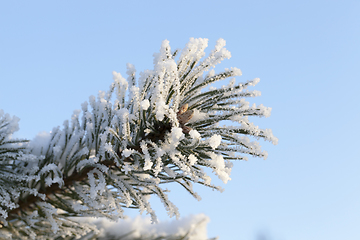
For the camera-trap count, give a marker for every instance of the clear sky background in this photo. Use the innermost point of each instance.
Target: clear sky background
(55, 54)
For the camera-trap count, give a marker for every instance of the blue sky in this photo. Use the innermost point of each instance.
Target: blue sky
(54, 55)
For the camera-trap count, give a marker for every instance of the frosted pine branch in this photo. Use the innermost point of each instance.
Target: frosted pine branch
(124, 145)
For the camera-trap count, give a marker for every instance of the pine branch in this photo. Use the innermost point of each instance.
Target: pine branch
(125, 145)
(25, 204)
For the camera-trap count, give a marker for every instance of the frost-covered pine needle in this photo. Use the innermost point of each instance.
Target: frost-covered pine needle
(167, 125)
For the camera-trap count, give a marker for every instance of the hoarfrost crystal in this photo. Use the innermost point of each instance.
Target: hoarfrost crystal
(169, 125)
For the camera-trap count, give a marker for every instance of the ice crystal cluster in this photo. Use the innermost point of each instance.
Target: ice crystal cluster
(164, 125)
(193, 227)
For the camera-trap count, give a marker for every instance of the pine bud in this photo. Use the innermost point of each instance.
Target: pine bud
(183, 109)
(185, 117)
(186, 129)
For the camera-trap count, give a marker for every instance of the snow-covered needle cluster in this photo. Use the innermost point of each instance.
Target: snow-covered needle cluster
(167, 125)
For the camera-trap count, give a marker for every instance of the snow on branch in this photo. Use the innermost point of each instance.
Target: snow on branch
(125, 144)
(190, 228)
(16, 167)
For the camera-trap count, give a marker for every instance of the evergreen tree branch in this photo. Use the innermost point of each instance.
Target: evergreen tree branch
(124, 145)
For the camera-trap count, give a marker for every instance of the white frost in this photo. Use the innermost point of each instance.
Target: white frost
(126, 168)
(145, 104)
(192, 159)
(127, 152)
(194, 225)
(215, 141)
(194, 134)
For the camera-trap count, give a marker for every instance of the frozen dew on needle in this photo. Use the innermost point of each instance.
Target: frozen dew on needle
(165, 125)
